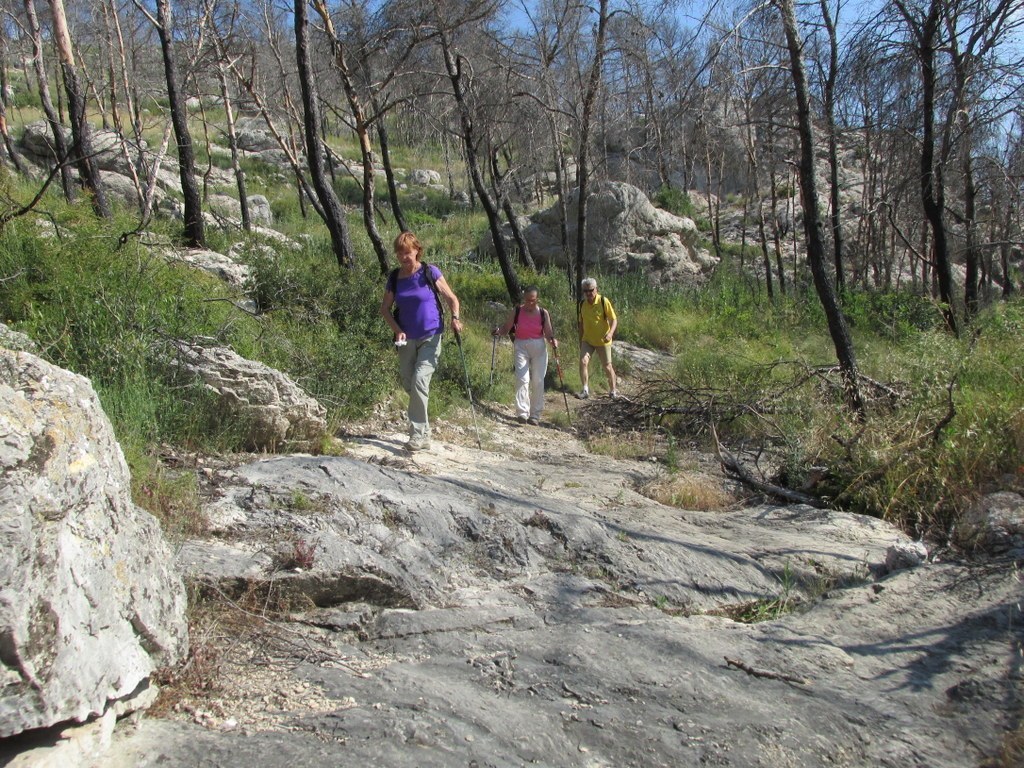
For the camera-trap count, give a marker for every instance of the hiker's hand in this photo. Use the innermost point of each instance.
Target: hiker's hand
(400, 337)
(494, 331)
(554, 343)
(607, 337)
(456, 325)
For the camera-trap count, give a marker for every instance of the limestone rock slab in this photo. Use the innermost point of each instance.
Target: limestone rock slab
(90, 602)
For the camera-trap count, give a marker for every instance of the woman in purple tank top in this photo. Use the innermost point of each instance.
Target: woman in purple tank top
(417, 322)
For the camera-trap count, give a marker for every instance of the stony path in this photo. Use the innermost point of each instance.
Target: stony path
(524, 604)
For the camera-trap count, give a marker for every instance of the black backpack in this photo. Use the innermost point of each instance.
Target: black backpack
(544, 320)
(392, 288)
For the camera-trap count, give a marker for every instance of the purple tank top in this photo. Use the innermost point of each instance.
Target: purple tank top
(418, 315)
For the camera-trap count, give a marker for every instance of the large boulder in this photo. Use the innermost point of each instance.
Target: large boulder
(217, 264)
(252, 135)
(994, 524)
(37, 141)
(90, 603)
(273, 410)
(424, 177)
(16, 340)
(259, 210)
(625, 233)
(119, 187)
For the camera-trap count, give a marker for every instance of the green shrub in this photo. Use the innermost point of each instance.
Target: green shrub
(675, 201)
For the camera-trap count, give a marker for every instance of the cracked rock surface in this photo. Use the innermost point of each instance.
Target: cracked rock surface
(523, 604)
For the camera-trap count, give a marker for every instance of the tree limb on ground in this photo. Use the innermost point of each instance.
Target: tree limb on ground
(733, 467)
(768, 675)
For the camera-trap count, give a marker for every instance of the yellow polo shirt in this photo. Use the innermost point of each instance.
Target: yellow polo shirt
(596, 322)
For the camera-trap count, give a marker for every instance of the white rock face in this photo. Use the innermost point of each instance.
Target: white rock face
(259, 210)
(995, 523)
(625, 233)
(90, 602)
(227, 269)
(421, 177)
(273, 408)
(16, 340)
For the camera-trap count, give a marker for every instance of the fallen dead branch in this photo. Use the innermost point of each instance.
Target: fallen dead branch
(767, 674)
(732, 466)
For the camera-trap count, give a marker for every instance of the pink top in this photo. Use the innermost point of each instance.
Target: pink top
(530, 326)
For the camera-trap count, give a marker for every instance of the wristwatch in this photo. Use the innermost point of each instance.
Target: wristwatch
(455, 317)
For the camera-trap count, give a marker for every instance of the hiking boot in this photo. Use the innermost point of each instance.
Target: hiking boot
(534, 421)
(583, 395)
(521, 419)
(417, 444)
(613, 395)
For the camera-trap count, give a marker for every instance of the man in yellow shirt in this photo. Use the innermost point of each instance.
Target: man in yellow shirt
(597, 324)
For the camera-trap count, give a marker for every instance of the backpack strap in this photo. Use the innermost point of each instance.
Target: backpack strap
(604, 308)
(429, 275)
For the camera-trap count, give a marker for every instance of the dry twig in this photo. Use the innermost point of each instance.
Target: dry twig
(767, 674)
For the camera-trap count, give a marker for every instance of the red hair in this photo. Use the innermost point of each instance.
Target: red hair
(408, 240)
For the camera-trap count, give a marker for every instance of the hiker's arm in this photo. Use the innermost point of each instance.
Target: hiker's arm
(504, 329)
(452, 301)
(548, 331)
(385, 312)
(611, 328)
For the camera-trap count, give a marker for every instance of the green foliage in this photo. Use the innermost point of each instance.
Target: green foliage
(921, 461)
(675, 201)
(893, 315)
(107, 313)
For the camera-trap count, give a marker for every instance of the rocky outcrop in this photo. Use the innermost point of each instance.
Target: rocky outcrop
(232, 272)
(259, 209)
(625, 233)
(15, 340)
(421, 177)
(270, 408)
(90, 602)
(525, 605)
(995, 524)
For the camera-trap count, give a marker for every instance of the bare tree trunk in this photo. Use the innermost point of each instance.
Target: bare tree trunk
(194, 234)
(12, 151)
(333, 213)
(583, 156)
(111, 35)
(389, 174)
(933, 196)
(229, 119)
(82, 149)
(835, 213)
(812, 218)
(453, 67)
(355, 106)
(500, 185)
(773, 190)
(42, 83)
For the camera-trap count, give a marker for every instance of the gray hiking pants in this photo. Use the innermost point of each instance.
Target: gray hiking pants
(417, 361)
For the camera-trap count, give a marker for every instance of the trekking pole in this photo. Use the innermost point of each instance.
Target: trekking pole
(469, 392)
(494, 349)
(558, 366)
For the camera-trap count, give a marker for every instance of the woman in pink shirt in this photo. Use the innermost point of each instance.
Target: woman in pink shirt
(529, 326)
